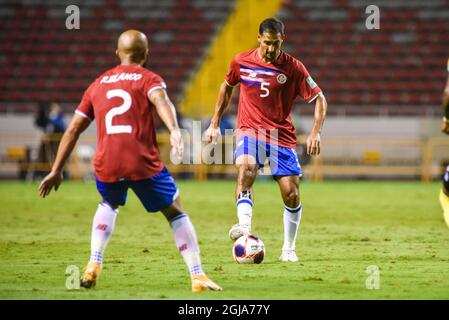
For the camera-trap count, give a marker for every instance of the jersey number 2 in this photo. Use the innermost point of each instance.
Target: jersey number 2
(110, 128)
(263, 87)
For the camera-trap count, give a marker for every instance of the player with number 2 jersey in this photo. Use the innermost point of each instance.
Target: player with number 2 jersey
(123, 102)
(108, 100)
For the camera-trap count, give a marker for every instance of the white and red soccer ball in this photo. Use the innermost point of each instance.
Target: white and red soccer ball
(248, 249)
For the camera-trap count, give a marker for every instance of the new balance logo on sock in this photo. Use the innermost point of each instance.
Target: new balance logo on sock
(183, 247)
(102, 227)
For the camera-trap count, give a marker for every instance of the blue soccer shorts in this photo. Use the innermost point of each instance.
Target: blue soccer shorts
(282, 161)
(155, 193)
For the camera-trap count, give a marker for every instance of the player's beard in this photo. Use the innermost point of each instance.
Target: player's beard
(270, 56)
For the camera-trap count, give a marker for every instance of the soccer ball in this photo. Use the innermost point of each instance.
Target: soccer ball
(248, 249)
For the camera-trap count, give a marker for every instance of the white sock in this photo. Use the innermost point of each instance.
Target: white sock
(102, 227)
(245, 212)
(186, 241)
(292, 218)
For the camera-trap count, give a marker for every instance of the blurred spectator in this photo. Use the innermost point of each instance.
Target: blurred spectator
(50, 120)
(55, 129)
(56, 119)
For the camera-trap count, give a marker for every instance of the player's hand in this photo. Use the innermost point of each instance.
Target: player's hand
(212, 134)
(445, 127)
(177, 143)
(313, 144)
(53, 179)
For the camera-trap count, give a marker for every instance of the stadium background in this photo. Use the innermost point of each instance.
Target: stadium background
(384, 92)
(383, 86)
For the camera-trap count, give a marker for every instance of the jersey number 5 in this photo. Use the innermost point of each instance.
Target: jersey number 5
(110, 128)
(263, 87)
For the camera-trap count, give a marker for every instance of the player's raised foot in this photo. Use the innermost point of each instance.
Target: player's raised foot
(91, 275)
(237, 231)
(203, 283)
(288, 256)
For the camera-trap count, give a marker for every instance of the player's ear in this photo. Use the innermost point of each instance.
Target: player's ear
(116, 53)
(259, 38)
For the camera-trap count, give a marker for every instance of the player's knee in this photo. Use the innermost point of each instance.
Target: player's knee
(292, 198)
(248, 172)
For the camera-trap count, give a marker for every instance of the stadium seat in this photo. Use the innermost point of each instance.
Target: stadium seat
(402, 64)
(61, 63)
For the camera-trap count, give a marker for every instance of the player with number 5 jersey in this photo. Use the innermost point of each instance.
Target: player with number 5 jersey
(122, 102)
(270, 81)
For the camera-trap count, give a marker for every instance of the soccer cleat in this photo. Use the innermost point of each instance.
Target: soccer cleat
(238, 231)
(288, 256)
(91, 275)
(444, 200)
(203, 283)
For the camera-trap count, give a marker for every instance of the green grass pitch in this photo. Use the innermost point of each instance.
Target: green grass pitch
(345, 227)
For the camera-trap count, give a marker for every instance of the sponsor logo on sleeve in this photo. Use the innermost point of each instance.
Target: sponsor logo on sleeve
(310, 82)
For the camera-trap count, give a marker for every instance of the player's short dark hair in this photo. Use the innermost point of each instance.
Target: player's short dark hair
(271, 25)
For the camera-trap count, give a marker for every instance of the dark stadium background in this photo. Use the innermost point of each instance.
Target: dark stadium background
(383, 86)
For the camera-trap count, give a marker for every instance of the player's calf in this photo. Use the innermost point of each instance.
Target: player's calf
(244, 214)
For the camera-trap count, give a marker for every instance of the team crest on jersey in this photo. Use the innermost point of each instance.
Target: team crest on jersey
(281, 78)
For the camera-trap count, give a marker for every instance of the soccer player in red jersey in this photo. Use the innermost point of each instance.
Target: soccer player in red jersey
(444, 193)
(270, 80)
(122, 101)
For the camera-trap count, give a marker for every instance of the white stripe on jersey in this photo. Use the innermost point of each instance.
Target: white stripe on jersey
(315, 96)
(162, 86)
(249, 71)
(252, 79)
(83, 115)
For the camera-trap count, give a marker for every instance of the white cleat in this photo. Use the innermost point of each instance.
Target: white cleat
(288, 256)
(238, 231)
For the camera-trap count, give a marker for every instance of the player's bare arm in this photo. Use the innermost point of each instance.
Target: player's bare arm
(167, 112)
(314, 139)
(68, 142)
(224, 96)
(445, 102)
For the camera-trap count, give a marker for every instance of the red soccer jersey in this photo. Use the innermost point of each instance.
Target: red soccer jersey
(267, 93)
(127, 147)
